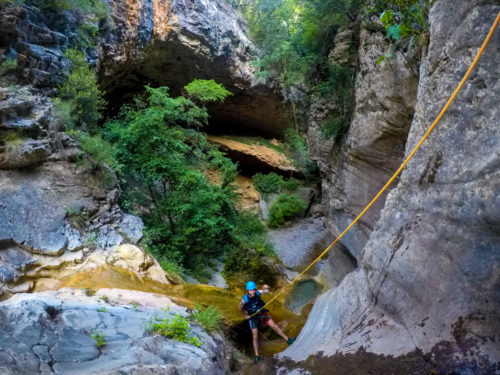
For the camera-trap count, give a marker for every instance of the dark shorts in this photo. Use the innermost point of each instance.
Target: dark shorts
(262, 319)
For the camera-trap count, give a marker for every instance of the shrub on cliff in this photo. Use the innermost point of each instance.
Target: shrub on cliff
(208, 317)
(80, 98)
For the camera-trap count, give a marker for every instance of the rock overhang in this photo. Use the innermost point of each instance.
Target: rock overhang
(172, 43)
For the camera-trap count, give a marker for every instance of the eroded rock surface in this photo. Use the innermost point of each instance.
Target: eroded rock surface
(50, 333)
(354, 172)
(429, 273)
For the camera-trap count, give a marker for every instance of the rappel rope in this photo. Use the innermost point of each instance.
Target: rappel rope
(445, 108)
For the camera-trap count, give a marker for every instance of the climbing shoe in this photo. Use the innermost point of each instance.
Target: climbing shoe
(257, 359)
(290, 340)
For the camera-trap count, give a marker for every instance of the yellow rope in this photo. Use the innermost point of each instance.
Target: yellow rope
(485, 43)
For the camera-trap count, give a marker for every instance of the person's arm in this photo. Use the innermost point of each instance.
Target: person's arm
(265, 289)
(243, 312)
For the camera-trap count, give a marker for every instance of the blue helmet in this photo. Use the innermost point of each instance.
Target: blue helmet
(251, 285)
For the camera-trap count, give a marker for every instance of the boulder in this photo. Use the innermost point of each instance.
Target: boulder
(26, 153)
(299, 243)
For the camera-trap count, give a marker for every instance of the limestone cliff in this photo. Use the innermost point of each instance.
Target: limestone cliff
(428, 276)
(356, 169)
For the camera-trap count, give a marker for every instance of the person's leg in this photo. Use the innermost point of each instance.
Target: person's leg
(278, 330)
(255, 341)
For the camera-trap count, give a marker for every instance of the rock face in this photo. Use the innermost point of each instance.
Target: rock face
(354, 172)
(429, 273)
(50, 333)
(253, 158)
(35, 40)
(172, 42)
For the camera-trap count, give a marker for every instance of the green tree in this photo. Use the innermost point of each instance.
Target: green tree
(164, 164)
(80, 100)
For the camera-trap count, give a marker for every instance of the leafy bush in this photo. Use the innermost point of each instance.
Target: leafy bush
(206, 91)
(295, 35)
(285, 207)
(188, 220)
(267, 183)
(406, 23)
(291, 184)
(97, 148)
(334, 127)
(208, 317)
(99, 339)
(176, 328)
(80, 95)
(250, 233)
(271, 183)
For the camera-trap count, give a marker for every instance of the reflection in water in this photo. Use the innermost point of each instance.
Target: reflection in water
(224, 300)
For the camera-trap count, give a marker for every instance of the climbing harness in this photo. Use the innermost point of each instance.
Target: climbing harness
(438, 118)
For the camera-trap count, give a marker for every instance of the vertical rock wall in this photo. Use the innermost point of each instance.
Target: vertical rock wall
(429, 275)
(354, 172)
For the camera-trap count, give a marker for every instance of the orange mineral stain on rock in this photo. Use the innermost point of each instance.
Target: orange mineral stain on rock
(248, 195)
(162, 22)
(134, 10)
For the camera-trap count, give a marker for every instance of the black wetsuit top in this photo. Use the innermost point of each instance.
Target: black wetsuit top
(253, 304)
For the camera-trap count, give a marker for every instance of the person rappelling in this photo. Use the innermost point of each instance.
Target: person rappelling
(251, 306)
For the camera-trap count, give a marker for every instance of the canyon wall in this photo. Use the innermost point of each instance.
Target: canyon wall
(428, 278)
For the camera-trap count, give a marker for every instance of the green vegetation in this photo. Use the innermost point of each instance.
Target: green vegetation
(89, 239)
(406, 23)
(163, 160)
(208, 317)
(4, 3)
(87, 15)
(102, 309)
(272, 183)
(284, 208)
(105, 298)
(8, 65)
(134, 305)
(76, 217)
(297, 150)
(296, 35)
(205, 91)
(176, 327)
(80, 99)
(99, 339)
